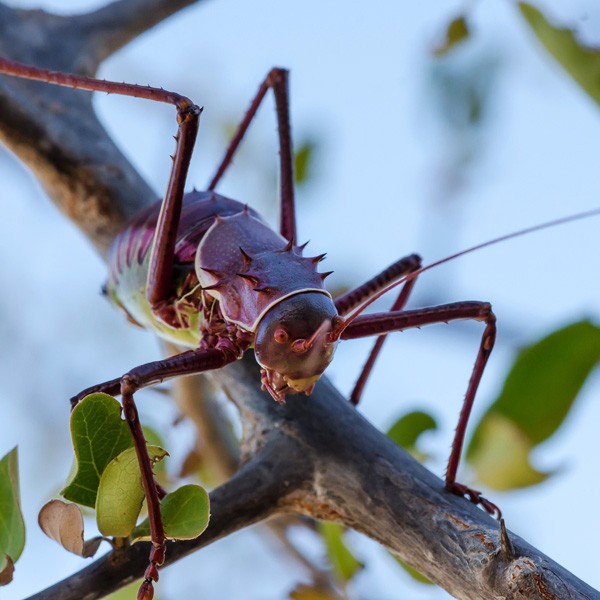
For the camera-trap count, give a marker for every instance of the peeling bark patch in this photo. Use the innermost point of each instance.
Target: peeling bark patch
(457, 521)
(542, 589)
(314, 507)
(485, 541)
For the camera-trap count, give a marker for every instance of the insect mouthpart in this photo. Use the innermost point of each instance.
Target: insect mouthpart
(279, 385)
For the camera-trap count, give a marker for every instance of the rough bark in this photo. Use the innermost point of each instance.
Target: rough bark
(317, 456)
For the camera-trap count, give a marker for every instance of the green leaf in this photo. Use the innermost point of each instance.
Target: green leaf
(580, 61)
(153, 438)
(407, 429)
(412, 571)
(129, 592)
(99, 435)
(121, 494)
(537, 395)
(343, 562)
(456, 32)
(303, 160)
(185, 514)
(12, 525)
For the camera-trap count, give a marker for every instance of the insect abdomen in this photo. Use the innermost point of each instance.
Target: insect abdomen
(129, 259)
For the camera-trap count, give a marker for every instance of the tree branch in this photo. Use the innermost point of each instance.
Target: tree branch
(111, 27)
(317, 456)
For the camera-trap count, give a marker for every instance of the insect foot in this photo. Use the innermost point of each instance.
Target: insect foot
(475, 497)
(157, 557)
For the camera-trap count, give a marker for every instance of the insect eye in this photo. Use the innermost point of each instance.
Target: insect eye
(281, 336)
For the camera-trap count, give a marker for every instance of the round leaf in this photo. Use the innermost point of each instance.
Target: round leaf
(120, 493)
(185, 514)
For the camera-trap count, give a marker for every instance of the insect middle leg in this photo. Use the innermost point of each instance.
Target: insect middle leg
(381, 323)
(361, 294)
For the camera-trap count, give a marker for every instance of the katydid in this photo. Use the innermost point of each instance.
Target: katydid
(208, 273)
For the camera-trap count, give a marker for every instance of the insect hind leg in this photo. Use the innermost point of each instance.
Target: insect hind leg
(277, 80)
(400, 320)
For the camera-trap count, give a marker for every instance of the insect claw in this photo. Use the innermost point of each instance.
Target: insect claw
(146, 591)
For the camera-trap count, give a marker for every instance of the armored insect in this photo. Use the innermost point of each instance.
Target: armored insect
(207, 273)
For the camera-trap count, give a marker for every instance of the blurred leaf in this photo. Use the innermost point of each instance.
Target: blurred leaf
(12, 525)
(303, 160)
(185, 514)
(407, 429)
(313, 591)
(456, 32)
(192, 463)
(99, 435)
(537, 395)
(120, 492)
(127, 593)
(63, 523)
(343, 562)
(580, 61)
(502, 461)
(412, 571)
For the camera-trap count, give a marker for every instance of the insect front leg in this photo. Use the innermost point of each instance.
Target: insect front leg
(381, 323)
(187, 363)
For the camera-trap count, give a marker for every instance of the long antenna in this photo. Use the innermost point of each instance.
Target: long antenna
(576, 217)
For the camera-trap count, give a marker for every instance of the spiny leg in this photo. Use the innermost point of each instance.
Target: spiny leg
(399, 304)
(187, 363)
(277, 80)
(355, 297)
(163, 249)
(380, 323)
(162, 255)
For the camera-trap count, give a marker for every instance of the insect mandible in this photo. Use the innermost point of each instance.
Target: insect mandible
(206, 272)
